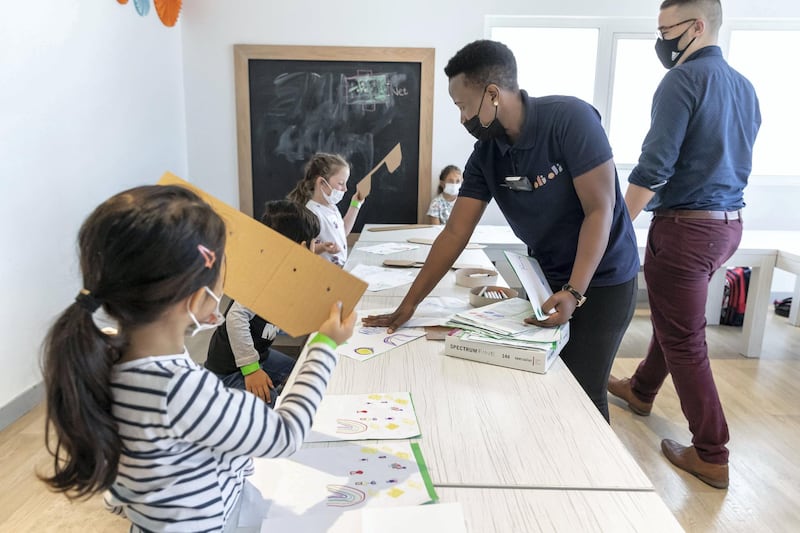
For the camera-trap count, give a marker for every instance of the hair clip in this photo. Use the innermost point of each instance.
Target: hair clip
(208, 255)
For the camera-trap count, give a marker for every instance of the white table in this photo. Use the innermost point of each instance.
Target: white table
(762, 251)
(789, 260)
(489, 426)
(520, 451)
(528, 511)
(483, 234)
(447, 287)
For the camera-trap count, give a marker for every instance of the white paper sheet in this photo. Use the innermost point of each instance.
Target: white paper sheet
(377, 416)
(432, 311)
(505, 317)
(380, 278)
(532, 278)
(439, 518)
(341, 478)
(367, 342)
(386, 248)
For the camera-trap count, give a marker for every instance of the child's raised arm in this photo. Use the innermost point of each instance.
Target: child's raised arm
(202, 410)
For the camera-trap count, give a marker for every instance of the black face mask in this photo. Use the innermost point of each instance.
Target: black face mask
(484, 133)
(667, 50)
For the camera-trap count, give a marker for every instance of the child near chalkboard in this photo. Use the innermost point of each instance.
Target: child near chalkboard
(128, 411)
(449, 183)
(321, 188)
(240, 352)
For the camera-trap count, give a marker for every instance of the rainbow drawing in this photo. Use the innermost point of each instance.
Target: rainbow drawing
(344, 496)
(349, 427)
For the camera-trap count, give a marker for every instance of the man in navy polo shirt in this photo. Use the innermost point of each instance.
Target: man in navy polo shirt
(694, 166)
(548, 164)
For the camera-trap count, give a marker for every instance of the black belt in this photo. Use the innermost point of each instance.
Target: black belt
(696, 214)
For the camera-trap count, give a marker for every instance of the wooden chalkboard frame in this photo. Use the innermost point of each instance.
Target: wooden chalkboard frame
(243, 53)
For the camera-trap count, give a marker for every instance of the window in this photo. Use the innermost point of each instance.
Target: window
(637, 73)
(610, 62)
(775, 151)
(570, 71)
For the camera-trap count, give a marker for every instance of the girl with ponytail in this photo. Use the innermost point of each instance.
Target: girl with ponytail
(322, 187)
(128, 411)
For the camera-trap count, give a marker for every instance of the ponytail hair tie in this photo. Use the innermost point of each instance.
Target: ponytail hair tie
(87, 301)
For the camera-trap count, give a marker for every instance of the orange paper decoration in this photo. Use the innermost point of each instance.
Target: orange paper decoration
(122, 1)
(168, 11)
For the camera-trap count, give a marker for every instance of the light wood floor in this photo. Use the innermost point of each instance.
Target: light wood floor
(761, 399)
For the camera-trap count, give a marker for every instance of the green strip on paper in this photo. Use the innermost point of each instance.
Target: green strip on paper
(423, 470)
(411, 397)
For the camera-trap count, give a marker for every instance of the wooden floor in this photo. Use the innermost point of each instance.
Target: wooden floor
(761, 398)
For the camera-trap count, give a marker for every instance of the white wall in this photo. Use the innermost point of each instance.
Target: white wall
(91, 103)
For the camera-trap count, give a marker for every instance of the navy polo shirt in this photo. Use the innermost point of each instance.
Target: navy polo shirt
(699, 151)
(561, 138)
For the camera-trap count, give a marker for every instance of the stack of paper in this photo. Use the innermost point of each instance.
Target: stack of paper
(497, 334)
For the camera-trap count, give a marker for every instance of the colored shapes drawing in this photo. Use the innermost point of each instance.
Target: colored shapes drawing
(371, 416)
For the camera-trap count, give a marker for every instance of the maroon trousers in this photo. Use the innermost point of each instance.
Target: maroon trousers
(681, 256)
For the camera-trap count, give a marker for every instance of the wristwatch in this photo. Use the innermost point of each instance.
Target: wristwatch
(578, 296)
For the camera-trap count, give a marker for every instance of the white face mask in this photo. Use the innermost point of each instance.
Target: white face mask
(452, 188)
(335, 196)
(217, 318)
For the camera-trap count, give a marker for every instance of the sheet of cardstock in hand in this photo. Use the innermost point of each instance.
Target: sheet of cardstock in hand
(275, 277)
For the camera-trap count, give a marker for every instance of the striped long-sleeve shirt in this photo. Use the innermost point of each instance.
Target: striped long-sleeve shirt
(187, 439)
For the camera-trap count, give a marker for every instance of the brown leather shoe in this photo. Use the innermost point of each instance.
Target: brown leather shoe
(686, 458)
(621, 388)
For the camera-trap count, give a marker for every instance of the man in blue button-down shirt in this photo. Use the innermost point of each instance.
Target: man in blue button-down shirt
(694, 166)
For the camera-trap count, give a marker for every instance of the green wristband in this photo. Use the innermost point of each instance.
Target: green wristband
(249, 369)
(324, 339)
(355, 203)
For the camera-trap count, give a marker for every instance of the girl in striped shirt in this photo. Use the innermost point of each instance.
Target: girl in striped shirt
(128, 411)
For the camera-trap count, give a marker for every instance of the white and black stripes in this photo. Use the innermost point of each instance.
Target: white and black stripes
(187, 439)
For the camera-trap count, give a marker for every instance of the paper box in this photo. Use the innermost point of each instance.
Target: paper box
(275, 277)
(531, 359)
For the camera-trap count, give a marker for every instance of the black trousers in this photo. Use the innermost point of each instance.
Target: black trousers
(595, 333)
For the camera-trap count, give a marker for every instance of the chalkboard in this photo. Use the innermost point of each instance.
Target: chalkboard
(293, 101)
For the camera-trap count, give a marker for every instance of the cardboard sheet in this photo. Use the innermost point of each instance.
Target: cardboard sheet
(275, 277)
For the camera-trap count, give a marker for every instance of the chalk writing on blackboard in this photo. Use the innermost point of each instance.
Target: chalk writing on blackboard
(328, 112)
(358, 109)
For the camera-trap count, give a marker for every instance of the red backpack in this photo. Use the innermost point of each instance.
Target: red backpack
(734, 297)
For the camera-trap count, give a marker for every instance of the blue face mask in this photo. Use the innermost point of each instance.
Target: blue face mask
(217, 317)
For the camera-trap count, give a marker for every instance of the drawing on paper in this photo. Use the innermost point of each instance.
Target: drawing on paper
(349, 427)
(399, 339)
(364, 417)
(344, 496)
(368, 342)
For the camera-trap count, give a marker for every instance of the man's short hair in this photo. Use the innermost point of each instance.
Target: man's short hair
(711, 9)
(484, 62)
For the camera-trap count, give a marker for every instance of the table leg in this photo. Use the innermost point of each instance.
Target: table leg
(755, 316)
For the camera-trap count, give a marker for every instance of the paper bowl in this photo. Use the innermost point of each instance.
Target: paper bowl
(478, 301)
(475, 277)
